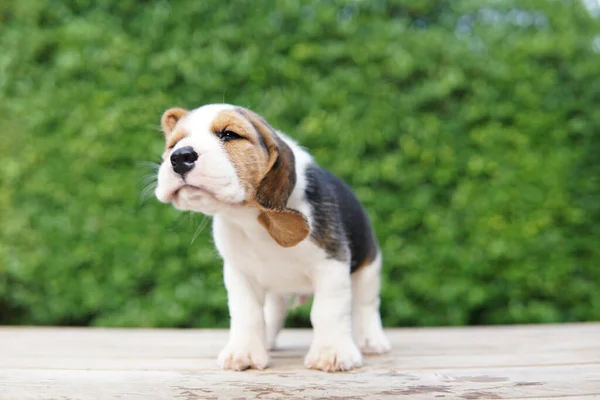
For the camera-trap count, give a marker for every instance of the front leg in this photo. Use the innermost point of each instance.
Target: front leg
(246, 347)
(333, 347)
(276, 306)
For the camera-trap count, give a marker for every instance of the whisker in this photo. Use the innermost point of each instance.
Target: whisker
(147, 192)
(177, 223)
(154, 127)
(150, 178)
(200, 228)
(152, 184)
(149, 164)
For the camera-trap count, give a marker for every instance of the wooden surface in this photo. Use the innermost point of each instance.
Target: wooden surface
(525, 362)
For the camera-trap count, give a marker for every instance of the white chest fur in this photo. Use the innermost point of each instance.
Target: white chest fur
(245, 245)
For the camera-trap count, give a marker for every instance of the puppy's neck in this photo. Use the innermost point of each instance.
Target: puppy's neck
(246, 215)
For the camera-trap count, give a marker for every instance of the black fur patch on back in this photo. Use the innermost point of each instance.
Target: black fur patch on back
(340, 224)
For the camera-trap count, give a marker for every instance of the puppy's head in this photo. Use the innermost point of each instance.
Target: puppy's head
(220, 156)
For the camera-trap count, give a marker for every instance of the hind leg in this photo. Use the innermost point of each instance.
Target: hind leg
(276, 307)
(368, 331)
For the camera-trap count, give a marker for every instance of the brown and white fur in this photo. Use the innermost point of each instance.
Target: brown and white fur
(283, 227)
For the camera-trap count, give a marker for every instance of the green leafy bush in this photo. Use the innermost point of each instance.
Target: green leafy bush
(469, 130)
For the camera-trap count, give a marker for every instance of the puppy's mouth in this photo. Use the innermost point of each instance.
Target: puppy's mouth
(190, 191)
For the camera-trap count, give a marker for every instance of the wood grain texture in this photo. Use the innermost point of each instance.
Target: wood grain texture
(513, 362)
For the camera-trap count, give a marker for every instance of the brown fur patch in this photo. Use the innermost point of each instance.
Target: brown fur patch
(168, 122)
(279, 180)
(174, 138)
(272, 191)
(287, 227)
(169, 119)
(247, 155)
(368, 260)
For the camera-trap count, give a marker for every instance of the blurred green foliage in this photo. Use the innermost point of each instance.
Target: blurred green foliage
(468, 128)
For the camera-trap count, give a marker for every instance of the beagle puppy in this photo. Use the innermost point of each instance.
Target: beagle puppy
(283, 227)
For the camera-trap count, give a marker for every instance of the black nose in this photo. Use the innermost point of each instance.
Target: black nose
(183, 159)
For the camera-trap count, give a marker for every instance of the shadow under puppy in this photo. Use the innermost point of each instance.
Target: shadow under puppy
(284, 227)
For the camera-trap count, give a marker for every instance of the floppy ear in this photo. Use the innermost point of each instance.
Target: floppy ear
(286, 226)
(169, 119)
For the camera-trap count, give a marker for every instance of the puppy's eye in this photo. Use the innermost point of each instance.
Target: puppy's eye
(226, 136)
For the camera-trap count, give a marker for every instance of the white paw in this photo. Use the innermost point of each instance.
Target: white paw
(371, 339)
(374, 343)
(342, 356)
(239, 357)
